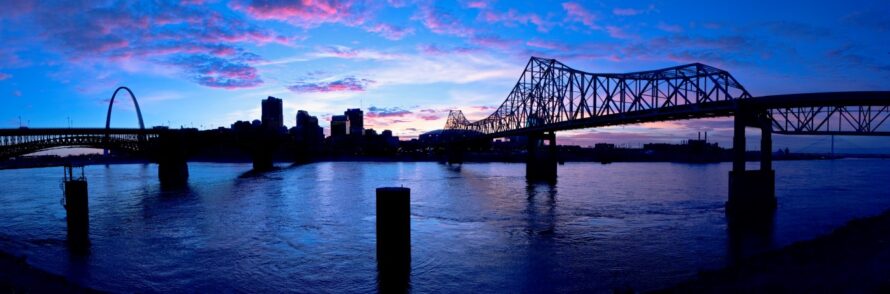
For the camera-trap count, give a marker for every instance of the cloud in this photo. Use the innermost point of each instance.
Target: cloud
(389, 31)
(17, 93)
(375, 112)
(478, 4)
(513, 18)
(141, 36)
(626, 11)
(305, 14)
(351, 53)
(217, 72)
(670, 28)
(4, 76)
(342, 85)
(432, 49)
(578, 13)
(442, 22)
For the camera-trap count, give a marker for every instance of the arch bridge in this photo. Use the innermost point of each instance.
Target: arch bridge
(550, 96)
(165, 146)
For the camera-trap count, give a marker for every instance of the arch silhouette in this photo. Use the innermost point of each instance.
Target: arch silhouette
(108, 117)
(135, 103)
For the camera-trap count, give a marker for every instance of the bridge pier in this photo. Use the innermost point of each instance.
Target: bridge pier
(173, 169)
(77, 211)
(751, 190)
(454, 154)
(541, 160)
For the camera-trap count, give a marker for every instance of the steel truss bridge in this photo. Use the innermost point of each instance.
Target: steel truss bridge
(551, 96)
(21, 141)
(16, 142)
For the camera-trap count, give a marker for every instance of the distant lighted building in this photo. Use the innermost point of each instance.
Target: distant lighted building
(338, 125)
(273, 114)
(355, 122)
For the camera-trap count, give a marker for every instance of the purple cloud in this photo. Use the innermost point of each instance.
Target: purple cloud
(389, 31)
(217, 72)
(304, 13)
(200, 43)
(4, 76)
(441, 22)
(346, 84)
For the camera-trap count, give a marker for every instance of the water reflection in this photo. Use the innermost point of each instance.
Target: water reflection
(749, 234)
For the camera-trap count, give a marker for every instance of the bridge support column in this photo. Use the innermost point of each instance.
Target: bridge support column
(754, 190)
(454, 154)
(262, 161)
(393, 238)
(77, 209)
(173, 169)
(541, 160)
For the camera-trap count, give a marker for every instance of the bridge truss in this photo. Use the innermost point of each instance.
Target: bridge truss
(551, 96)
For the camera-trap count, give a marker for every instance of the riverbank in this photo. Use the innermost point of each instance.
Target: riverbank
(854, 258)
(17, 276)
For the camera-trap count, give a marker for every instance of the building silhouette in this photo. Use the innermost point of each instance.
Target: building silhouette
(338, 126)
(355, 122)
(273, 114)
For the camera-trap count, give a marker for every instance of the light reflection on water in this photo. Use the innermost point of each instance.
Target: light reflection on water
(477, 227)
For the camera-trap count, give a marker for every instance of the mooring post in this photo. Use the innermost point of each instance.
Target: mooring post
(393, 238)
(76, 207)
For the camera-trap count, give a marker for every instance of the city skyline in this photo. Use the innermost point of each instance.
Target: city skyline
(406, 63)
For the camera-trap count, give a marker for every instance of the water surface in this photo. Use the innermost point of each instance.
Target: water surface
(475, 228)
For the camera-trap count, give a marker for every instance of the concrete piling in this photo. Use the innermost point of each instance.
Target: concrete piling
(77, 207)
(393, 238)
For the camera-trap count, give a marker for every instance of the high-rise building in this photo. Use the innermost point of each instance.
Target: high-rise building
(273, 114)
(355, 121)
(338, 125)
(303, 118)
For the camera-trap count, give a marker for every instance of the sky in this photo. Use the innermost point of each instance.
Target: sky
(205, 64)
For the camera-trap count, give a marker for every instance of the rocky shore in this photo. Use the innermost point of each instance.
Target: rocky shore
(852, 259)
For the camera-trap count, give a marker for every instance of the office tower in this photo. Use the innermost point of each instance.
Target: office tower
(355, 121)
(273, 115)
(338, 125)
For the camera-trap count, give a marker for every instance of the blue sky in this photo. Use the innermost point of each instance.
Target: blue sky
(406, 63)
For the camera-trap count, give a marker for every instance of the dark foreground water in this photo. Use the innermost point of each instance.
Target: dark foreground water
(478, 228)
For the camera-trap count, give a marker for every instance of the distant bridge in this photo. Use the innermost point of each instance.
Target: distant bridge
(17, 142)
(551, 96)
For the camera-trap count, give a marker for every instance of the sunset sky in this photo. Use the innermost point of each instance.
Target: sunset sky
(209, 63)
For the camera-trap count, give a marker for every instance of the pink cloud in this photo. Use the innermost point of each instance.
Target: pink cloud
(17, 93)
(545, 44)
(4, 76)
(205, 46)
(578, 13)
(477, 4)
(431, 49)
(441, 22)
(513, 17)
(493, 41)
(389, 31)
(305, 13)
(619, 33)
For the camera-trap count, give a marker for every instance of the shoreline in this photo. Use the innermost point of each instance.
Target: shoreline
(17, 276)
(852, 258)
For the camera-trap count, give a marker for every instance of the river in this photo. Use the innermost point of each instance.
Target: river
(475, 228)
